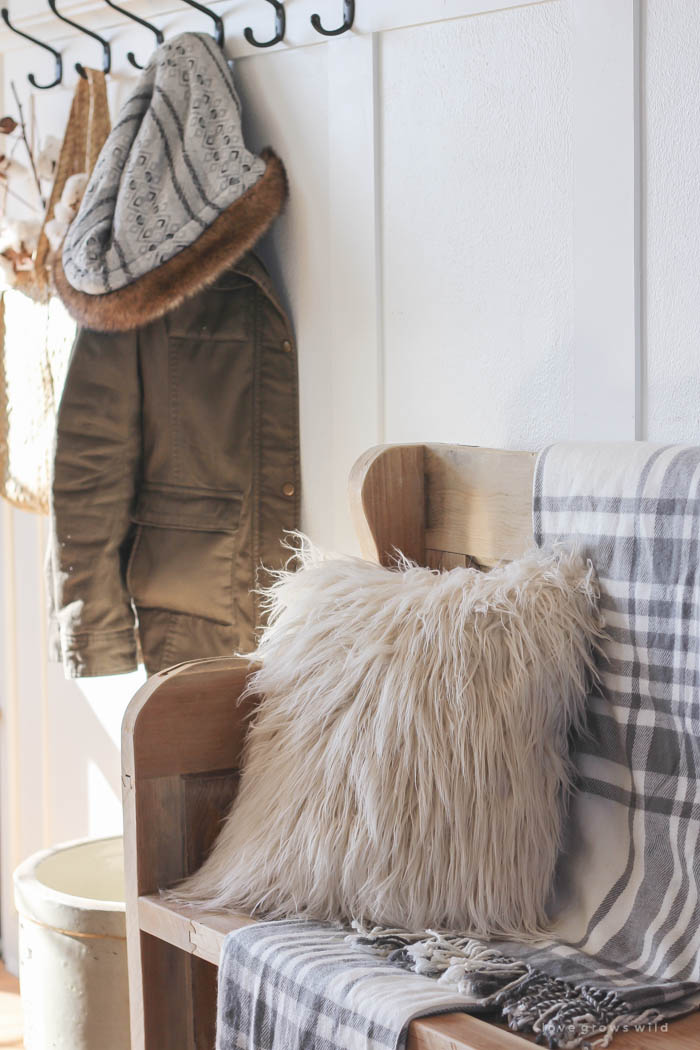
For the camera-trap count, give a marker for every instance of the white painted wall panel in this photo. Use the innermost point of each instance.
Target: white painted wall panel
(477, 229)
(672, 199)
(295, 122)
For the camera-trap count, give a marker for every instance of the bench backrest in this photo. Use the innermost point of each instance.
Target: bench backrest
(443, 505)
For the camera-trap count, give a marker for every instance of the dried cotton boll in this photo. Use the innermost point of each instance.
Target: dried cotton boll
(48, 157)
(19, 236)
(11, 167)
(73, 192)
(63, 214)
(65, 210)
(55, 231)
(9, 236)
(7, 273)
(29, 230)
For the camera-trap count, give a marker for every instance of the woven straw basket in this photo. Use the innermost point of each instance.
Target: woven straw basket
(36, 332)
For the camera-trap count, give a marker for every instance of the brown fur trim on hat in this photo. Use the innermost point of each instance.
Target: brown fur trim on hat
(220, 247)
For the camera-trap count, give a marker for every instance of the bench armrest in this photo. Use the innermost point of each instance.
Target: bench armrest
(182, 740)
(187, 719)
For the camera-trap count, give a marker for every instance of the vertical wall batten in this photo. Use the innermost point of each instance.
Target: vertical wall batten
(642, 428)
(378, 176)
(354, 260)
(638, 262)
(606, 172)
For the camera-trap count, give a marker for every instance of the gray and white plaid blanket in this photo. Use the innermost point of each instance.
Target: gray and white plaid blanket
(625, 947)
(296, 985)
(628, 913)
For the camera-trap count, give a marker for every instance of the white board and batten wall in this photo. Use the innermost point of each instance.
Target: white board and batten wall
(492, 238)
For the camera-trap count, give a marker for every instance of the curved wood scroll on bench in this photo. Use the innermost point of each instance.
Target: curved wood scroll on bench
(443, 505)
(183, 732)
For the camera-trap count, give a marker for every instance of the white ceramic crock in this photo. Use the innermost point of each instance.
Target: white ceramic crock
(73, 975)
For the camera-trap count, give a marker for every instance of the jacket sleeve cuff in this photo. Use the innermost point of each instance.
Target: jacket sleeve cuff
(94, 655)
(54, 641)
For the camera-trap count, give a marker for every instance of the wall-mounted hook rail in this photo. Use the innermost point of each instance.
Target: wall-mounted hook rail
(348, 20)
(106, 50)
(47, 47)
(218, 21)
(280, 28)
(158, 33)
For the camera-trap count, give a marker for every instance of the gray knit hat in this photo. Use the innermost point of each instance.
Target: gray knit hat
(175, 197)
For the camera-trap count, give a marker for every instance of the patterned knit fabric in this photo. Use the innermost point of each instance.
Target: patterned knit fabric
(174, 161)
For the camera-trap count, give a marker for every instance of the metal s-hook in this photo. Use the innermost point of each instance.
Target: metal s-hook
(218, 21)
(280, 28)
(47, 47)
(106, 50)
(142, 22)
(348, 20)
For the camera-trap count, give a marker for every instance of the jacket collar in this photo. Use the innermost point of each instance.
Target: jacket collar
(250, 266)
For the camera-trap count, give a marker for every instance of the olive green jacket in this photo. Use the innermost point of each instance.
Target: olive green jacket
(176, 473)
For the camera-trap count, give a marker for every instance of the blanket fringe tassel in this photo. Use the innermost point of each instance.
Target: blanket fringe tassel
(560, 1015)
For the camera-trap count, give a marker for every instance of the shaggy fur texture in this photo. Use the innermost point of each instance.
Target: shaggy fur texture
(408, 761)
(235, 232)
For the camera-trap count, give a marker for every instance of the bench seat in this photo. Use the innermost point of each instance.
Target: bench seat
(202, 934)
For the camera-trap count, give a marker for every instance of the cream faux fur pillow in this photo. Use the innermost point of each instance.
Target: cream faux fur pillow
(408, 762)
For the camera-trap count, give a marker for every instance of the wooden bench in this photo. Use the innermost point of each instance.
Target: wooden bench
(442, 505)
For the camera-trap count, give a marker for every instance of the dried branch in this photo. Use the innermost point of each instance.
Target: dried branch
(16, 196)
(30, 154)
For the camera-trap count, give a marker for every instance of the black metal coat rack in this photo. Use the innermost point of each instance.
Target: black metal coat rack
(248, 32)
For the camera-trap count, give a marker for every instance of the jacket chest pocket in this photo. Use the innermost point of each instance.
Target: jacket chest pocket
(181, 559)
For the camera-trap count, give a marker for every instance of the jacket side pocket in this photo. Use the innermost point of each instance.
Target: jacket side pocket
(182, 552)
